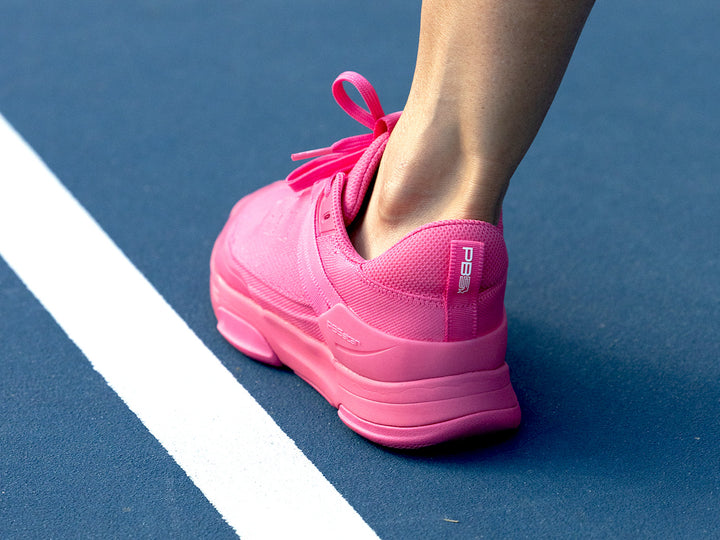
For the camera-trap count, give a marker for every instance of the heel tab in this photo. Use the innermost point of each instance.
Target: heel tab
(462, 289)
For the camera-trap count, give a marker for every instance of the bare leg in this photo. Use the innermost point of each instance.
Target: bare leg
(486, 74)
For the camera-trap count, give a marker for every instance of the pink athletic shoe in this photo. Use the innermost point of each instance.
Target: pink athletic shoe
(409, 346)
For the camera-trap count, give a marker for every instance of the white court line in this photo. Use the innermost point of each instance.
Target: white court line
(255, 476)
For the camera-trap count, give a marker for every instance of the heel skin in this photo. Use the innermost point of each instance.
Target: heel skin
(395, 392)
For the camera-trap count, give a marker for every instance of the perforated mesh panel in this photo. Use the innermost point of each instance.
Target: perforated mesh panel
(419, 264)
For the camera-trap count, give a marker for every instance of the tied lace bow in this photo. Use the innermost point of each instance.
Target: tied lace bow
(345, 153)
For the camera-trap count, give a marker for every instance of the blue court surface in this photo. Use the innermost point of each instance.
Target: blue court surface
(157, 116)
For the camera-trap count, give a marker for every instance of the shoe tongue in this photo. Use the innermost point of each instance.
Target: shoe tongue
(360, 178)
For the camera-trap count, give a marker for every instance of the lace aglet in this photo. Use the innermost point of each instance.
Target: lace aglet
(308, 154)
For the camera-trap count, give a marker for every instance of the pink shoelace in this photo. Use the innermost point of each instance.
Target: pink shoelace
(345, 153)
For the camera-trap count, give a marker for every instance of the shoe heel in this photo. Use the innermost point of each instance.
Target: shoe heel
(411, 414)
(407, 394)
(420, 436)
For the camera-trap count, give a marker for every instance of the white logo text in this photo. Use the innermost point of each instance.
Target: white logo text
(465, 271)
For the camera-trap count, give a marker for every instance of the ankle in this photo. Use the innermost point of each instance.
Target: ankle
(432, 189)
(418, 183)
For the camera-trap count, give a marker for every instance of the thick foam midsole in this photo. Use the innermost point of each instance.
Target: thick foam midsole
(337, 371)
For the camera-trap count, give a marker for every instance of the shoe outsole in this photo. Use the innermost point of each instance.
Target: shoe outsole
(396, 413)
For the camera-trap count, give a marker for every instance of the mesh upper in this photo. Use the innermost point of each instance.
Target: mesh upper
(419, 263)
(401, 292)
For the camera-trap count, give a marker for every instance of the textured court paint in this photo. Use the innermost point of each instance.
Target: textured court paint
(233, 451)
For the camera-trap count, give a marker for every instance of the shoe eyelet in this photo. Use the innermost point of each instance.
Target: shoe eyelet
(326, 216)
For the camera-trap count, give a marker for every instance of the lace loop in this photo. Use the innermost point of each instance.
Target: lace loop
(366, 117)
(345, 153)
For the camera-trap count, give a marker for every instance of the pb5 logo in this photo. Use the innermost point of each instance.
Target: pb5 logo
(465, 271)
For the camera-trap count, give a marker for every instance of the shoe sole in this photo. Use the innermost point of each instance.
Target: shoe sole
(395, 392)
